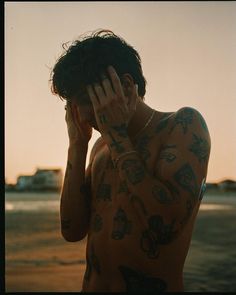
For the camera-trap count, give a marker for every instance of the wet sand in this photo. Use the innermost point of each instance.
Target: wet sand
(39, 260)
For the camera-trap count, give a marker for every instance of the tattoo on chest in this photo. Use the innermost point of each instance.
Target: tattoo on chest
(139, 201)
(123, 188)
(186, 179)
(183, 119)
(162, 125)
(133, 170)
(121, 225)
(136, 281)
(200, 148)
(156, 235)
(97, 223)
(104, 192)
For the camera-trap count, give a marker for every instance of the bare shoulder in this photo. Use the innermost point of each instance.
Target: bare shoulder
(188, 117)
(96, 147)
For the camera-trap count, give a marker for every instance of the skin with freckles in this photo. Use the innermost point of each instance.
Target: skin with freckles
(143, 207)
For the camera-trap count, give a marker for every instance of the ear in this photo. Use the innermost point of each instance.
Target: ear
(128, 84)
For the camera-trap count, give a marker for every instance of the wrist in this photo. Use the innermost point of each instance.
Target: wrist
(77, 151)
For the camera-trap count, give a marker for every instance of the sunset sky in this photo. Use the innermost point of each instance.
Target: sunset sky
(188, 52)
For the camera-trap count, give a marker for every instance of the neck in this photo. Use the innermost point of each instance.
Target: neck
(139, 118)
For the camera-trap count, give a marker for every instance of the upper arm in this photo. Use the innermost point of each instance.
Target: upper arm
(183, 161)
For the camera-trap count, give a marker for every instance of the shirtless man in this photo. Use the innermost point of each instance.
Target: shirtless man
(138, 199)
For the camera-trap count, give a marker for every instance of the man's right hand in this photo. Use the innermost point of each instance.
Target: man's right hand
(79, 132)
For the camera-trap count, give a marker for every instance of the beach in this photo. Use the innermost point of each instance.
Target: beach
(38, 259)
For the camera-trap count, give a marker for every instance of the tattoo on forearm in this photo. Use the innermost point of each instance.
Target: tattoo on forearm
(117, 145)
(141, 147)
(137, 281)
(65, 224)
(156, 235)
(121, 225)
(136, 199)
(121, 130)
(186, 179)
(102, 119)
(200, 148)
(183, 118)
(134, 170)
(97, 223)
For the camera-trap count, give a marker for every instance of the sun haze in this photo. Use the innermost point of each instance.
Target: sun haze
(188, 59)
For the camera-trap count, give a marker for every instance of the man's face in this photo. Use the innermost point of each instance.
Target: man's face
(85, 108)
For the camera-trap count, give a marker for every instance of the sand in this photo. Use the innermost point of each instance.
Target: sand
(39, 260)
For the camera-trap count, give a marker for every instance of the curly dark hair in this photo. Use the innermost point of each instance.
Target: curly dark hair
(87, 58)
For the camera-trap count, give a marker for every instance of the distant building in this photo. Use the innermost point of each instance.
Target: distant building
(43, 179)
(227, 185)
(47, 179)
(24, 182)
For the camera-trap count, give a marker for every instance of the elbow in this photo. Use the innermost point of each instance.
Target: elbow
(73, 238)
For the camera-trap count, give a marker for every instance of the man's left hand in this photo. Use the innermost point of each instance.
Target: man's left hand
(110, 107)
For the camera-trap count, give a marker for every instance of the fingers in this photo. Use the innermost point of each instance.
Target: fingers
(115, 82)
(93, 96)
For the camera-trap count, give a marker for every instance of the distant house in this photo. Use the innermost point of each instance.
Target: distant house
(227, 185)
(43, 179)
(47, 179)
(24, 182)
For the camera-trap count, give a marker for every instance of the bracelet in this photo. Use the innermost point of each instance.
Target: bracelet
(124, 154)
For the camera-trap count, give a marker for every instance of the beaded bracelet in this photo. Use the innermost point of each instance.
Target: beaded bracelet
(124, 154)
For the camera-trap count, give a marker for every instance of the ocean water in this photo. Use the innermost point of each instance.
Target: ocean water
(28, 201)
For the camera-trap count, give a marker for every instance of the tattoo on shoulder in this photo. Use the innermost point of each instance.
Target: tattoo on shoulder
(186, 179)
(134, 170)
(137, 281)
(162, 195)
(183, 119)
(200, 148)
(156, 235)
(121, 225)
(165, 154)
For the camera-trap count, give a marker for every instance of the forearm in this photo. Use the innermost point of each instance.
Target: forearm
(74, 204)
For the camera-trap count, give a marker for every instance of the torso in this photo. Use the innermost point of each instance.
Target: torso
(115, 261)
